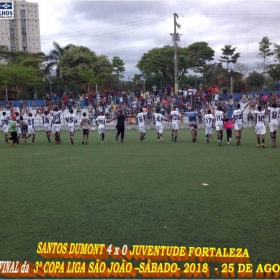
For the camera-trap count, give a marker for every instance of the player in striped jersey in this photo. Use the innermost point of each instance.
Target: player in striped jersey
(208, 123)
(238, 121)
(141, 124)
(56, 123)
(18, 126)
(174, 118)
(273, 122)
(71, 121)
(5, 125)
(158, 117)
(46, 118)
(260, 128)
(219, 118)
(31, 127)
(101, 124)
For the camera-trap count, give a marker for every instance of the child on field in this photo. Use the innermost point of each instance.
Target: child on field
(228, 125)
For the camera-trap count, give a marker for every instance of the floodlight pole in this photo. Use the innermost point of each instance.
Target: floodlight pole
(175, 56)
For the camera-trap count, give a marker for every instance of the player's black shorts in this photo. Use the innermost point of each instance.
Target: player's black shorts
(85, 132)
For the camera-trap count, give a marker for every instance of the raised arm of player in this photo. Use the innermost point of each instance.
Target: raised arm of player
(248, 104)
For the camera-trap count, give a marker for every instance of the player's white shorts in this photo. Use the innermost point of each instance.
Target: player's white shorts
(71, 129)
(219, 127)
(174, 126)
(273, 126)
(53, 129)
(6, 129)
(47, 127)
(19, 130)
(31, 130)
(56, 127)
(142, 128)
(159, 128)
(260, 129)
(238, 126)
(208, 130)
(101, 130)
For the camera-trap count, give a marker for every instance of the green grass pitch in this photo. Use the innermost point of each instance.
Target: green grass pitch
(131, 193)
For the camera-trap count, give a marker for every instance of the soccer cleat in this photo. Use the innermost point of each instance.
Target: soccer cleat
(83, 142)
(141, 141)
(228, 142)
(72, 141)
(49, 140)
(219, 142)
(258, 145)
(210, 135)
(143, 137)
(122, 141)
(263, 145)
(101, 142)
(237, 143)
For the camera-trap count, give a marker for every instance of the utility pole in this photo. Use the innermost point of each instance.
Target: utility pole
(175, 38)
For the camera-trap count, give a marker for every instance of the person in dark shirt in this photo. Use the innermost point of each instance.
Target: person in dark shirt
(120, 124)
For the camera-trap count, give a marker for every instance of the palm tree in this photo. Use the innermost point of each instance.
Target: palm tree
(53, 58)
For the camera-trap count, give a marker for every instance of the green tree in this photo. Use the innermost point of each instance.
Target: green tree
(118, 66)
(277, 53)
(229, 55)
(256, 80)
(161, 60)
(80, 65)
(199, 55)
(19, 77)
(265, 51)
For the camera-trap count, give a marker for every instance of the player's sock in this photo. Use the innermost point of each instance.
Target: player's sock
(102, 138)
(175, 138)
(141, 138)
(259, 142)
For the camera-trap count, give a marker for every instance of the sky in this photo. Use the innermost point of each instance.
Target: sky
(129, 29)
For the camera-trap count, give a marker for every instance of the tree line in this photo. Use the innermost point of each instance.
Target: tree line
(77, 68)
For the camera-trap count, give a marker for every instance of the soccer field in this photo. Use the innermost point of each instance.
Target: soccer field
(184, 193)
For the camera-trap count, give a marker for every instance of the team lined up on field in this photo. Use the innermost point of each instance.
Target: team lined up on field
(52, 123)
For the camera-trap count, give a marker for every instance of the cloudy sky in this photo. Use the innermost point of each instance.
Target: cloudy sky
(130, 28)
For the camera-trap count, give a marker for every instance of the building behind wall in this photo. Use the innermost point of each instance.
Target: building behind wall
(23, 32)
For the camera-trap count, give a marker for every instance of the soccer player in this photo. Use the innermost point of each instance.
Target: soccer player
(141, 124)
(46, 117)
(13, 131)
(101, 122)
(71, 120)
(120, 124)
(18, 126)
(56, 123)
(208, 123)
(260, 128)
(219, 118)
(85, 124)
(238, 121)
(5, 124)
(175, 117)
(158, 117)
(31, 127)
(273, 122)
(193, 122)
